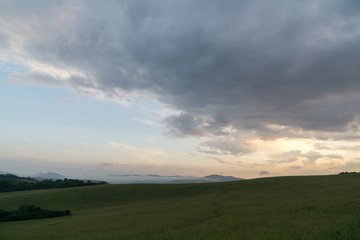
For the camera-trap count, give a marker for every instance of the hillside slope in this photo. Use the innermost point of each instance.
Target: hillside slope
(316, 207)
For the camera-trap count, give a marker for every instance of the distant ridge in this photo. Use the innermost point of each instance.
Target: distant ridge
(221, 178)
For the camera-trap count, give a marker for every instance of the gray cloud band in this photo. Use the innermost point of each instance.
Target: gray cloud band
(265, 69)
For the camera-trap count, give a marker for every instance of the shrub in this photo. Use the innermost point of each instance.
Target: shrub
(29, 212)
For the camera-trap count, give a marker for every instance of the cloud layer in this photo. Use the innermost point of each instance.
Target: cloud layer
(233, 70)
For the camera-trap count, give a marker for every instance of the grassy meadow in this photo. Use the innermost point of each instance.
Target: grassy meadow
(311, 207)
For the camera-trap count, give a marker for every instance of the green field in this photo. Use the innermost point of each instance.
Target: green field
(315, 207)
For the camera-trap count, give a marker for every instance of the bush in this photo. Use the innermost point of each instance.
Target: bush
(29, 212)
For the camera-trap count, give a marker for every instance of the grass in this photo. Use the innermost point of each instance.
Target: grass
(315, 207)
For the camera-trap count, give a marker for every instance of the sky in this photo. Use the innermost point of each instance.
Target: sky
(244, 88)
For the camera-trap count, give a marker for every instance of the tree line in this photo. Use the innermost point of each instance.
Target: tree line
(11, 182)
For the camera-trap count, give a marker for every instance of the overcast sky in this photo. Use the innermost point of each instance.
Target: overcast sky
(244, 88)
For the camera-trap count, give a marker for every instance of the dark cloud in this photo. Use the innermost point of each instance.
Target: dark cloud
(184, 124)
(266, 69)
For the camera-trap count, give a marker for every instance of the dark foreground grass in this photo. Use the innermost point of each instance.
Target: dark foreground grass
(322, 207)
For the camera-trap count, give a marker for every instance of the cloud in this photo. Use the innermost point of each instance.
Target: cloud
(263, 173)
(266, 69)
(138, 152)
(143, 121)
(183, 124)
(308, 158)
(228, 145)
(312, 157)
(337, 147)
(4, 42)
(296, 167)
(108, 164)
(352, 165)
(221, 161)
(287, 157)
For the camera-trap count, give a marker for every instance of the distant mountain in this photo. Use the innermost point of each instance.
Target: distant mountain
(221, 178)
(48, 176)
(154, 178)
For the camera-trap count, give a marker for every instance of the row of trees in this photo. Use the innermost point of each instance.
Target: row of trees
(341, 173)
(29, 212)
(10, 182)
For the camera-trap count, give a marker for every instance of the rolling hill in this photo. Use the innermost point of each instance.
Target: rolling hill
(311, 207)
